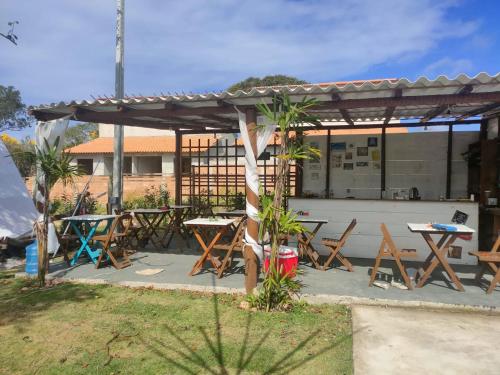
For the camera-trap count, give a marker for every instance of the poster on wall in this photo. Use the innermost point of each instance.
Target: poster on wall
(314, 176)
(376, 155)
(361, 164)
(362, 151)
(376, 165)
(348, 166)
(337, 161)
(338, 146)
(348, 155)
(314, 166)
(372, 141)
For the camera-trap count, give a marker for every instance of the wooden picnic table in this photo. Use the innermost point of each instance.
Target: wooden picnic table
(90, 224)
(201, 227)
(233, 213)
(438, 250)
(177, 214)
(149, 220)
(305, 239)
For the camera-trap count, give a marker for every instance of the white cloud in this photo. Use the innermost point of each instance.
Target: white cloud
(448, 67)
(66, 48)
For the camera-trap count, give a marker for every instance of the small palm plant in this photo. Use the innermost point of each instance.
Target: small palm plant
(55, 167)
(275, 220)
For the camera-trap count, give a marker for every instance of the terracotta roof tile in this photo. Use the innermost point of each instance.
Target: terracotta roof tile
(138, 145)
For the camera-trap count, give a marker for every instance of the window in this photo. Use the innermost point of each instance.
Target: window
(186, 165)
(127, 165)
(86, 165)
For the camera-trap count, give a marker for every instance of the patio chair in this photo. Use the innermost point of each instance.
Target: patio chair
(134, 229)
(490, 261)
(234, 245)
(335, 245)
(389, 250)
(67, 239)
(114, 243)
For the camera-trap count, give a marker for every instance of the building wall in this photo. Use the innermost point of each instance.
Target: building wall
(133, 186)
(107, 130)
(413, 159)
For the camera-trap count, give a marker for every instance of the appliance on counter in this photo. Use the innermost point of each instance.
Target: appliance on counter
(414, 194)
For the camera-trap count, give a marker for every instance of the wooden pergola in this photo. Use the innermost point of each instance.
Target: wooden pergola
(368, 104)
(341, 105)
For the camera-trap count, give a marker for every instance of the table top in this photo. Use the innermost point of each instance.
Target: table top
(147, 211)
(235, 213)
(89, 217)
(179, 206)
(427, 228)
(305, 219)
(209, 222)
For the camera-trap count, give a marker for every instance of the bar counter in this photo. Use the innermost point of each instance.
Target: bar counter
(370, 213)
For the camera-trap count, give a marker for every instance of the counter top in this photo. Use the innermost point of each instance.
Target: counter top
(391, 200)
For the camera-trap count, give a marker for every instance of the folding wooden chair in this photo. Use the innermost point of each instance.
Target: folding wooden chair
(114, 242)
(334, 246)
(389, 250)
(236, 244)
(135, 229)
(67, 240)
(490, 261)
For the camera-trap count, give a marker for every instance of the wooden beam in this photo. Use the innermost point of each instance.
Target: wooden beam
(467, 89)
(360, 126)
(389, 111)
(479, 111)
(449, 154)
(345, 114)
(328, 163)
(178, 167)
(412, 101)
(383, 191)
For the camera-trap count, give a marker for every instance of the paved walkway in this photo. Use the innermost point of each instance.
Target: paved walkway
(410, 341)
(329, 285)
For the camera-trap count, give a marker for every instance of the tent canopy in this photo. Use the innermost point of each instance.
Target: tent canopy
(17, 211)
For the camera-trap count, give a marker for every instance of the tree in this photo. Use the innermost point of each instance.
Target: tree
(13, 114)
(18, 151)
(275, 80)
(276, 222)
(80, 133)
(54, 166)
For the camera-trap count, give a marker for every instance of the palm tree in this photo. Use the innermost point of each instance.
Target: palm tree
(54, 166)
(275, 220)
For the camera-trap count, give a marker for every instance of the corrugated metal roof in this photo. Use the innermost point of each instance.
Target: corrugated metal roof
(364, 101)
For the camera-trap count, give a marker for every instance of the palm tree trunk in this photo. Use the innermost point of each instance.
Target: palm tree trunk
(43, 241)
(279, 189)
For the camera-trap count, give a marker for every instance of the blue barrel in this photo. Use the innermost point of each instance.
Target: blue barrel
(32, 258)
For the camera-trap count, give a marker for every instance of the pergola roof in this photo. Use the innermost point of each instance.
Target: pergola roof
(351, 103)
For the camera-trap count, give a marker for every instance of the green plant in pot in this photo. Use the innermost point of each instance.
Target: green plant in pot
(276, 222)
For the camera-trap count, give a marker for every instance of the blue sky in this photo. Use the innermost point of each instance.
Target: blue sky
(66, 48)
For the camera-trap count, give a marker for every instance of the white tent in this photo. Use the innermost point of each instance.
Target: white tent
(17, 211)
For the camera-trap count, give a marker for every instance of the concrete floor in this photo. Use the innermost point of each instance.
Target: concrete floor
(333, 282)
(404, 341)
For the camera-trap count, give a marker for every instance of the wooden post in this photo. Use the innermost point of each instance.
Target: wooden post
(299, 175)
(449, 154)
(328, 164)
(382, 166)
(178, 167)
(251, 260)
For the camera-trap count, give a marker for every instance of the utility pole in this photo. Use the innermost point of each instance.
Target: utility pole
(116, 200)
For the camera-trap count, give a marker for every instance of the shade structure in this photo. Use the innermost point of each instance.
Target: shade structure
(347, 104)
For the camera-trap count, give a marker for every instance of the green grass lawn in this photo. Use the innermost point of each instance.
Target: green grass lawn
(80, 329)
